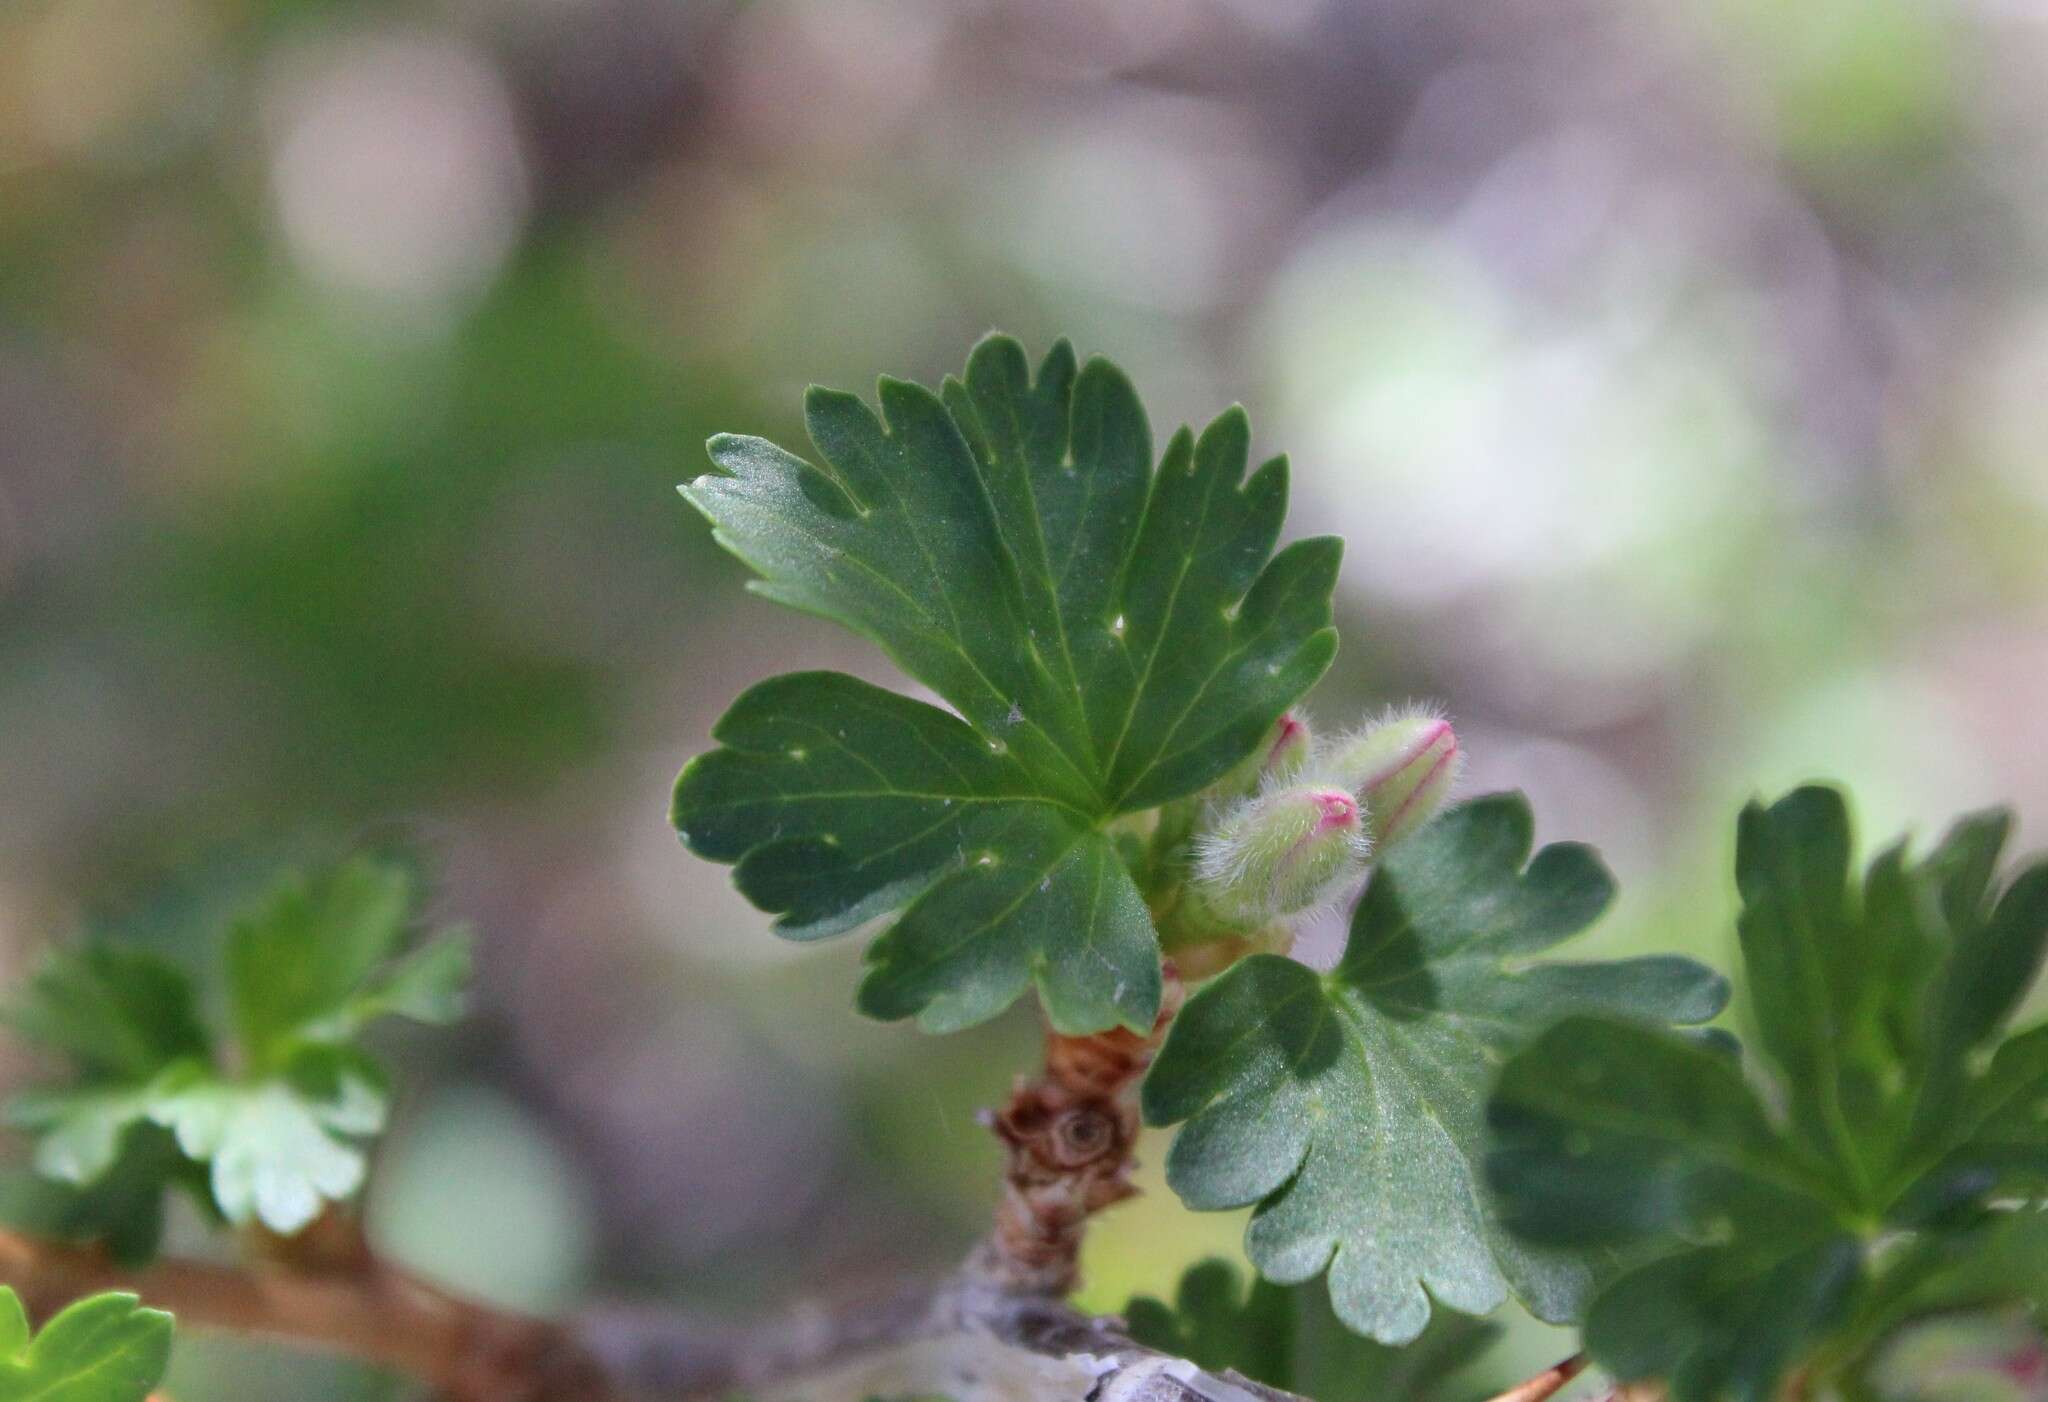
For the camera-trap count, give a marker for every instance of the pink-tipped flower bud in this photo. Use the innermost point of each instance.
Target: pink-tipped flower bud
(1282, 852)
(1280, 755)
(1401, 769)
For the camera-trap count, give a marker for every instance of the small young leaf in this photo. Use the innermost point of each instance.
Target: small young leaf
(1349, 1105)
(1878, 1006)
(105, 1348)
(118, 1012)
(277, 1126)
(1111, 637)
(314, 961)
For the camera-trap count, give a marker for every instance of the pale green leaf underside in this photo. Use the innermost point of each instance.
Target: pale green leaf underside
(105, 1348)
(278, 1155)
(1350, 1106)
(1111, 637)
(278, 1148)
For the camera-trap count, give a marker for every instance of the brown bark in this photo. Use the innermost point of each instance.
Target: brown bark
(368, 1311)
(1067, 1133)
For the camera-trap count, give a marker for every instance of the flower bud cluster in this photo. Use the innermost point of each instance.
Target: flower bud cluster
(1298, 829)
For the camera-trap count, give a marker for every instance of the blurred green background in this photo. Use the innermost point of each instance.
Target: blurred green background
(1676, 374)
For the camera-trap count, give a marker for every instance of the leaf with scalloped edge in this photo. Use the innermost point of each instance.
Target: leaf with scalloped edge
(1349, 1105)
(1109, 635)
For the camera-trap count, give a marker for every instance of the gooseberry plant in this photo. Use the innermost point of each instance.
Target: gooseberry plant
(1114, 801)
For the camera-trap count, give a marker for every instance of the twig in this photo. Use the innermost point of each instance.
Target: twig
(469, 1351)
(965, 1338)
(1068, 1132)
(1545, 1383)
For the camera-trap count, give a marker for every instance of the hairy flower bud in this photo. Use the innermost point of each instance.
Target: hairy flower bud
(1279, 755)
(1282, 852)
(1401, 769)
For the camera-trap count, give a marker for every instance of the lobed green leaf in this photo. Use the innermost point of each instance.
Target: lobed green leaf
(1349, 1106)
(1898, 1124)
(1109, 636)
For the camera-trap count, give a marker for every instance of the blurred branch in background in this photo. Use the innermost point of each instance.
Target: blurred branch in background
(363, 1309)
(958, 1336)
(962, 1338)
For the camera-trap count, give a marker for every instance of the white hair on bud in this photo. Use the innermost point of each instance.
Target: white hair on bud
(1222, 860)
(1338, 894)
(1225, 853)
(1393, 713)
(1317, 770)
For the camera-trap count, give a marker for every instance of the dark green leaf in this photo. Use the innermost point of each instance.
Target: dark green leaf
(1998, 1258)
(1349, 1105)
(1110, 636)
(869, 793)
(1215, 1322)
(1878, 1007)
(1609, 1133)
(1288, 1337)
(105, 1348)
(1716, 1322)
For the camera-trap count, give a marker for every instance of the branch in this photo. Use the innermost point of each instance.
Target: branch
(966, 1340)
(368, 1311)
(1067, 1133)
(997, 1330)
